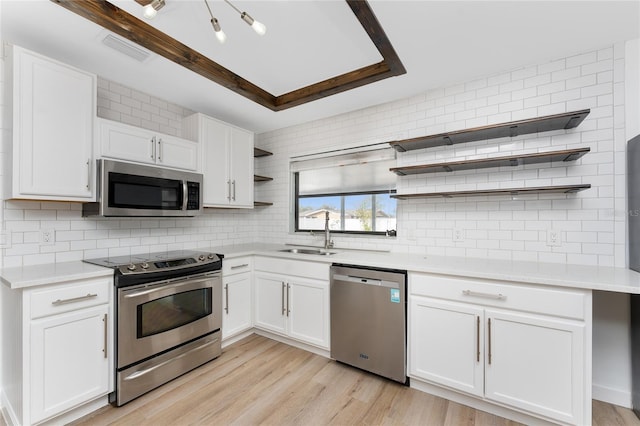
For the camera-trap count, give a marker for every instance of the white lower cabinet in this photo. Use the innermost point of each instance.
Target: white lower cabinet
(61, 356)
(536, 363)
(292, 305)
(237, 294)
(524, 348)
(452, 353)
(69, 362)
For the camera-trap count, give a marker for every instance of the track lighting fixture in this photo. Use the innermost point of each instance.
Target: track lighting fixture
(151, 10)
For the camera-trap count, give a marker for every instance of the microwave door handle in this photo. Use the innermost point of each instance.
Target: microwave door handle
(185, 195)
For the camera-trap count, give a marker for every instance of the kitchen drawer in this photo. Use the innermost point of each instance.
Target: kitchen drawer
(299, 268)
(236, 265)
(566, 303)
(81, 294)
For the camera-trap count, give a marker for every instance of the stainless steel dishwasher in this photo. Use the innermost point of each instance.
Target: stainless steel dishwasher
(368, 319)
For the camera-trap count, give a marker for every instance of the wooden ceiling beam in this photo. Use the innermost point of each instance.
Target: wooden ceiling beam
(122, 23)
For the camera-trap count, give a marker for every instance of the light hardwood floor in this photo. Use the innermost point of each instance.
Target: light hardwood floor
(260, 381)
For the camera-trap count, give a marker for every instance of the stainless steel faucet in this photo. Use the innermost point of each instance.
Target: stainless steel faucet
(327, 233)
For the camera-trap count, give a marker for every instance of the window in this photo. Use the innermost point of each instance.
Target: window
(353, 188)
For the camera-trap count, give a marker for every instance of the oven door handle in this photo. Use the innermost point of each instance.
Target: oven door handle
(165, 286)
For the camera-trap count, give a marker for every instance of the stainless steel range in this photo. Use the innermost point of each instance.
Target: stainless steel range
(168, 317)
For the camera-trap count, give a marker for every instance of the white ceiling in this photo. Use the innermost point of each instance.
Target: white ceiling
(439, 42)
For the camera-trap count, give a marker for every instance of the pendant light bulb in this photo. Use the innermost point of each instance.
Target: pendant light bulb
(149, 12)
(220, 35)
(259, 27)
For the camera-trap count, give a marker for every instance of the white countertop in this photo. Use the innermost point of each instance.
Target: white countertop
(620, 280)
(50, 273)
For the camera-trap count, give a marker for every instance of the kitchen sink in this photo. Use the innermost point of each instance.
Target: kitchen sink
(321, 252)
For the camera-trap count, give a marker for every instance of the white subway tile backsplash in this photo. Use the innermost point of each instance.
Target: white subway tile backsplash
(500, 227)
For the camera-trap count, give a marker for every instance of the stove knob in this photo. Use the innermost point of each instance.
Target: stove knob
(211, 256)
(131, 267)
(144, 265)
(201, 258)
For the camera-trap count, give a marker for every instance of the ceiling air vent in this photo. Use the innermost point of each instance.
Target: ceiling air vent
(125, 47)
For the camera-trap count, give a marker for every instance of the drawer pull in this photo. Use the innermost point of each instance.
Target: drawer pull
(244, 265)
(73, 299)
(498, 296)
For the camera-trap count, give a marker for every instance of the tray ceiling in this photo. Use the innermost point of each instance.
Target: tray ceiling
(440, 43)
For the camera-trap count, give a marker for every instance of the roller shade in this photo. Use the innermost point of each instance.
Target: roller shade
(344, 173)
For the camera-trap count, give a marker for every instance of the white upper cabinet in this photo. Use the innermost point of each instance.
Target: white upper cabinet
(124, 142)
(227, 161)
(54, 108)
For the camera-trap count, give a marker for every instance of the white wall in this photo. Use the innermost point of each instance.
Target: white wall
(592, 223)
(500, 227)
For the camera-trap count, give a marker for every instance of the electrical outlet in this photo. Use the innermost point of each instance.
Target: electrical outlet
(47, 236)
(553, 238)
(458, 234)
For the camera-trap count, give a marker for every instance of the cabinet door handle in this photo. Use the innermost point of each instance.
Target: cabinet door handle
(88, 172)
(233, 183)
(153, 148)
(283, 308)
(288, 308)
(489, 340)
(160, 149)
(478, 339)
(226, 298)
(498, 296)
(106, 335)
(244, 265)
(73, 299)
(229, 190)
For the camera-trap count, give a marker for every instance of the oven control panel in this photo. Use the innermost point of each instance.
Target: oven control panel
(168, 264)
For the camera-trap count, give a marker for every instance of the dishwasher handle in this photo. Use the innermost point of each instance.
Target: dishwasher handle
(364, 280)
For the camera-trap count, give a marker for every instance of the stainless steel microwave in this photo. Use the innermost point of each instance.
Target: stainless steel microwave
(126, 189)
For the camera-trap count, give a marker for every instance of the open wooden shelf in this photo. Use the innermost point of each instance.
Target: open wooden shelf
(257, 152)
(547, 123)
(567, 189)
(511, 160)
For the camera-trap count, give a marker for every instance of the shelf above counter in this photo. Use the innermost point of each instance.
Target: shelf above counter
(257, 152)
(566, 189)
(261, 204)
(257, 178)
(511, 160)
(567, 120)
